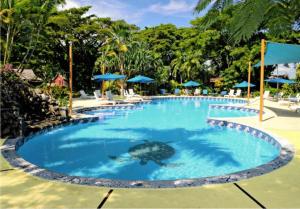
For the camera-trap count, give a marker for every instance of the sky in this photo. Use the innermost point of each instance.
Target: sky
(141, 12)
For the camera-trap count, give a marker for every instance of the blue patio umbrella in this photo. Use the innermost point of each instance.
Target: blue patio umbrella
(140, 79)
(280, 80)
(244, 84)
(108, 77)
(191, 84)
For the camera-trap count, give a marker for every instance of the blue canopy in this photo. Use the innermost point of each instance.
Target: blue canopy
(141, 79)
(108, 77)
(280, 80)
(191, 84)
(279, 53)
(244, 84)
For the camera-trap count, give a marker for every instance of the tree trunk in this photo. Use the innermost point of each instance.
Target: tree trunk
(103, 82)
(122, 81)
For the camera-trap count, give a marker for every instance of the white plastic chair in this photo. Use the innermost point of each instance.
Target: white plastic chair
(83, 95)
(266, 94)
(97, 95)
(295, 99)
(131, 93)
(109, 95)
(238, 93)
(186, 92)
(197, 92)
(231, 93)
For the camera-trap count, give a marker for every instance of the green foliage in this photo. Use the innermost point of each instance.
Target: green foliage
(174, 85)
(298, 73)
(216, 4)
(214, 46)
(61, 94)
(250, 16)
(273, 91)
(218, 86)
(255, 94)
(287, 89)
(22, 24)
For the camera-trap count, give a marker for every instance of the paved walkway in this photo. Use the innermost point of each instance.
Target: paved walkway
(278, 189)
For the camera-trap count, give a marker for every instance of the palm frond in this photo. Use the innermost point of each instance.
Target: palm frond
(215, 4)
(202, 4)
(248, 19)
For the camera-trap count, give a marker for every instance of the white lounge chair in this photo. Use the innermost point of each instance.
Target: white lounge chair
(197, 92)
(102, 100)
(295, 108)
(97, 94)
(83, 95)
(131, 97)
(186, 92)
(295, 99)
(238, 93)
(131, 93)
(266, 94)
(231, 93)
(110, 97)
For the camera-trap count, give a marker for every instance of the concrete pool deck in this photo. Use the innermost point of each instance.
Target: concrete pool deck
(278, 189)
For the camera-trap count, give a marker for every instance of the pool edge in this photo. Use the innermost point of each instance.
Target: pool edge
(10, 146)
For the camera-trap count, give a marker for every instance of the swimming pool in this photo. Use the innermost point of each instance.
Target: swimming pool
(163, 140)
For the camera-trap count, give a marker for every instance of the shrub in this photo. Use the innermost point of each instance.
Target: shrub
(273, 91)
(255, 93)
(174, 84)
(287, 89)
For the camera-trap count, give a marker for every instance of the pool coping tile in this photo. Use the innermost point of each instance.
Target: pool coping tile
(10, 147)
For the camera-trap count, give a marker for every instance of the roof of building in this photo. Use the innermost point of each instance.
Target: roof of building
(59, 75)
(28, 74)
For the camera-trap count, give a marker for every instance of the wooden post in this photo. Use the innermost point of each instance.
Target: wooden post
(103, 82)
(249, 80)
(262, 69)
(70, 77)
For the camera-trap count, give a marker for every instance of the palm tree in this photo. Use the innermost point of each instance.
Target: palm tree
(213, 4)
(23, 16)
(118, 51)
(250, 16)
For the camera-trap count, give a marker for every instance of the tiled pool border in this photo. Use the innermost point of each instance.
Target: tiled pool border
(10, 147)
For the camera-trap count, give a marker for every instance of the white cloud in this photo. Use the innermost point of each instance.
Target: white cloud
(172, 7)
(115, 9)
(69, 4)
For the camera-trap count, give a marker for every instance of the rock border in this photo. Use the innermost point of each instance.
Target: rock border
(10, 147)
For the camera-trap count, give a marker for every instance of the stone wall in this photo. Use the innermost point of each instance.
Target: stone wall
(22, 107)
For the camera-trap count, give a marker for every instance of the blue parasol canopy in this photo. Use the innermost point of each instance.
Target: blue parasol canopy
(279, 53)
(141, 79)
(244, 84)
(191, 84)
(280, 80)
(108, 77)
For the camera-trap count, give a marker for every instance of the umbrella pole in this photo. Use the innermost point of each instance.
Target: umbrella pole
(277, 91)
(249, 80)
(277, 85)
(70, 78)
(262, 69)
(102, 90)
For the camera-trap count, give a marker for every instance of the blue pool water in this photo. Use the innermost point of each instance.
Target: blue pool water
(163, 140)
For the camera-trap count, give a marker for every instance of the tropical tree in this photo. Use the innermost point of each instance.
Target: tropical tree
(21, 24)
(272, 16)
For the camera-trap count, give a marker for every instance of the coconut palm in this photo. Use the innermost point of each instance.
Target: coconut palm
(250, 16)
